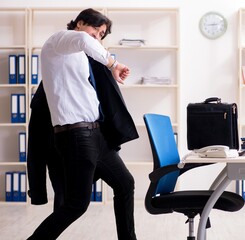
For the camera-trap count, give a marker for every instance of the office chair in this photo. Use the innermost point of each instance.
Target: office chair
(161, 197)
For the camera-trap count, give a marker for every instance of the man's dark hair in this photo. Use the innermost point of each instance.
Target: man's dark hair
(92, 18)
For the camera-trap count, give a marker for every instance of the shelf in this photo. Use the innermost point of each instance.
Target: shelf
(13, 163)
(145, 47)
(143, 125)
(13, 85)
(12, 203)
(13, 124)
(139, 163)
(12, 47)
(146, 86)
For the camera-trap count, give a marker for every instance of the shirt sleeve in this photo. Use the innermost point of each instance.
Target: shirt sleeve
(68, 42)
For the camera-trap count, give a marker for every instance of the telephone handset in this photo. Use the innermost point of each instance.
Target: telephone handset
(216, 151)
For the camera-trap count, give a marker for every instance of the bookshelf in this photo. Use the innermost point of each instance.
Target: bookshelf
(158, 57)
(14, 41)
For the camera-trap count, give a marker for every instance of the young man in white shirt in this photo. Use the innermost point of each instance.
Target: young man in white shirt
(74, 109)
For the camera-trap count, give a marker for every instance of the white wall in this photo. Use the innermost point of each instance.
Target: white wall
(208, 67)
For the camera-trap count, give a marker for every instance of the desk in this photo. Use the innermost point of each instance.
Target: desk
(234, 170)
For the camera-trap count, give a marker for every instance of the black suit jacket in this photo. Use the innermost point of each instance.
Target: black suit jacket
(117, 127)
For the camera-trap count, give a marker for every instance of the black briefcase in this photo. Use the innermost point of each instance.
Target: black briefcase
(212, 123)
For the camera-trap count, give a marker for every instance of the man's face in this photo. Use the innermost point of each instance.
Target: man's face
(95, 32)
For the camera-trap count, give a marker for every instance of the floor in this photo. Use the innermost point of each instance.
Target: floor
(19, 221)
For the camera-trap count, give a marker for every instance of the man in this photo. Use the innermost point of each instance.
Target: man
(85, 153)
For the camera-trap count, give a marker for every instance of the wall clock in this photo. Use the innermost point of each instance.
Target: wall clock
(213, 25)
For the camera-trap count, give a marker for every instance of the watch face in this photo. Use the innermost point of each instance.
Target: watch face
(213, 25)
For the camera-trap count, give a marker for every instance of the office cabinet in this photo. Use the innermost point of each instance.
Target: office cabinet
(13, 61)
(147, 41)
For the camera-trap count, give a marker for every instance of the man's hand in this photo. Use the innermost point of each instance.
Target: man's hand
(120, 73)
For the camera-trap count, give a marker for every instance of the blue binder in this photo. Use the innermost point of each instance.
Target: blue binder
(22, 107)
(8, 186)
(22, 186)
(93, 192)
(12, 69)
(14, 108)
(16, 184)
(22, 147)
(21, 69)
(98, 192)
(34, 69)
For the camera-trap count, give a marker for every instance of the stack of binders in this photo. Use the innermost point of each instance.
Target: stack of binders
(18, 108)
(17, 73)
(15, 186)
(17, 69)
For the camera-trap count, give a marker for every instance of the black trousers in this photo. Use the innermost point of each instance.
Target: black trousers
(86, 157)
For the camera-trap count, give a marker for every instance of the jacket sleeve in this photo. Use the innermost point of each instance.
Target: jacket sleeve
(118, 126)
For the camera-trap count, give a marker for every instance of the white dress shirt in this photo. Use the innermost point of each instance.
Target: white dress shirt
(65, 71)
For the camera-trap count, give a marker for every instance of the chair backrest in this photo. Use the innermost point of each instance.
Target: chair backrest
(164, 149)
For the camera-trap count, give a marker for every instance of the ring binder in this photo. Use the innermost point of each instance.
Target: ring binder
(12, 69)
(22, 147)
(14, 108)
(34, 69)
(21, 69)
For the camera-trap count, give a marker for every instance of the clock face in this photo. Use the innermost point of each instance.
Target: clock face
(213, 25)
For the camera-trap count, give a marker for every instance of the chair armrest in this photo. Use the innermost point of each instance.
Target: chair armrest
(160, 172)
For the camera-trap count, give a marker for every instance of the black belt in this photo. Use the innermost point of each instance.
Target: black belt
(88, 125)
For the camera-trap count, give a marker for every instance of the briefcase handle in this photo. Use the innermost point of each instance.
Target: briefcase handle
(213, 99)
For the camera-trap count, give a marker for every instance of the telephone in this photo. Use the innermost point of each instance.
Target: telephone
(216, 151)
